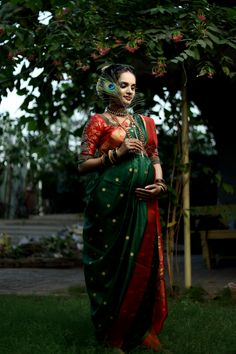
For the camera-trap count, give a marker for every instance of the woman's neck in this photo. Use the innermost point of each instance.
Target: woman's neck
(117, 110)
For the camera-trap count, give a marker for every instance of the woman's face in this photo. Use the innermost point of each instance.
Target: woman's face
(126, 88)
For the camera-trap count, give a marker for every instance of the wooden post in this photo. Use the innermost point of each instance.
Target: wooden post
(186, 188)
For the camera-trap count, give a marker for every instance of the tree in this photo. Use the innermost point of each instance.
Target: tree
(76, 37)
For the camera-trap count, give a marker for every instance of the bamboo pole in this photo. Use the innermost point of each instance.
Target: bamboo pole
(186, 188)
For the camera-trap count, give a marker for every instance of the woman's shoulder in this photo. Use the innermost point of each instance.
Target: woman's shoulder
(96, 118)
(147, 119)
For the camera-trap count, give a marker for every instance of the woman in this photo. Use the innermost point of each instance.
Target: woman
(123, 254)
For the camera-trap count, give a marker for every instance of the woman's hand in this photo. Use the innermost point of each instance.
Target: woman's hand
(148, 193)
(129, 146)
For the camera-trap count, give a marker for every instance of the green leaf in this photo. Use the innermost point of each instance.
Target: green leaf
(177, 59)
(226, 70)
(228, 188)
(202, 43)
(214, 29)
(231, 44)
(154, 10)
(215, 39)
(194, 53)
(209, 43)
(32, 125)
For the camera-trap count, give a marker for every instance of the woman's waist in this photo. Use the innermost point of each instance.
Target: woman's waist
(137, 171)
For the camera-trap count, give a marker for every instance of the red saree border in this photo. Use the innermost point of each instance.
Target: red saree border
(138, 284)
(151, 130)
(160, 306)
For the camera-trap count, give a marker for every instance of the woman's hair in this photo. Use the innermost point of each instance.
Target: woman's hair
(115, 70)
(107, 82)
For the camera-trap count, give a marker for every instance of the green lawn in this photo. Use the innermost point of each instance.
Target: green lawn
(61, 325)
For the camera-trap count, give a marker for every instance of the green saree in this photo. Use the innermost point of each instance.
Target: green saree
(123, 253)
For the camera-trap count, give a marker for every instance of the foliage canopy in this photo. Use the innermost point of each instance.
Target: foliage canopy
(77, 37)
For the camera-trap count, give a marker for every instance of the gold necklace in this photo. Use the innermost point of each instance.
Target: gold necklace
(119, 113)
(134, 125)
(115, 119)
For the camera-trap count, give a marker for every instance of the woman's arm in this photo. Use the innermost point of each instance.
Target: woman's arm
(90, 165)
(158, 171)
(90, 141)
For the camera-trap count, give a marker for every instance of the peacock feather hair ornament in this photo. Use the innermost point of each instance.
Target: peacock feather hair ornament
(107, 87)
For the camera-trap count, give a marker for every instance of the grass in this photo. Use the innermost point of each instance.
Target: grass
(61, 325)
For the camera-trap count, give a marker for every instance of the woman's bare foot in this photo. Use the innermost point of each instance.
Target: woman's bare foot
(151, 341)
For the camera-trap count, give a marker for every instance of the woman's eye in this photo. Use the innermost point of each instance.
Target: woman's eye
(124, 85)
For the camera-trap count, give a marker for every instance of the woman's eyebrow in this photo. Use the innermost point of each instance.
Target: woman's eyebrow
(127, 83)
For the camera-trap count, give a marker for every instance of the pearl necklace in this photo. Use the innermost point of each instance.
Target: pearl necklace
(119, 113)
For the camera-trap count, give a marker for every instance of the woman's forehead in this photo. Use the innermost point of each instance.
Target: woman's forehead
(127, 77)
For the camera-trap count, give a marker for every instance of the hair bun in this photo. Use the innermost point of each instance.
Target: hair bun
(105, 67)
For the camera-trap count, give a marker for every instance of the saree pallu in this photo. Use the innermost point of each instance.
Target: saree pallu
(123, 255)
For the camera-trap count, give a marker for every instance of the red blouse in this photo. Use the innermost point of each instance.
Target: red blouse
(101, 135)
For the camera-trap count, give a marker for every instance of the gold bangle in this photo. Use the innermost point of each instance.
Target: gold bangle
(163, 187)
(160, 180)
(110, 155)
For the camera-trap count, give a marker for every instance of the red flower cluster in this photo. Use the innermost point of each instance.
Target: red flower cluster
(131, 49)
(210, 73)
(100, 52)
(207, 70)
(159, 70)
(56, 62)
(134, 44)
(201, 17)
(103, 51)
(177, 36)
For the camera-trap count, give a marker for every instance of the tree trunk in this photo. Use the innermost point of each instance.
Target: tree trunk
(186, 187)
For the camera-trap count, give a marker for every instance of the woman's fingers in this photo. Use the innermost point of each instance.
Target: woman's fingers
(130, 146)
(149, 192)
(133, 145)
